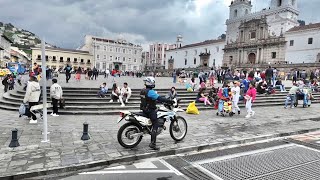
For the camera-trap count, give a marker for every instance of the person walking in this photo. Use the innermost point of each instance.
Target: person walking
(68, 70)
(212, 77)
(5, 82)
(32, 97)
(95, 73)
(269, 75)
(55, 95)
(250, 98)
(235, 98)
(174, 75)
(78, 74)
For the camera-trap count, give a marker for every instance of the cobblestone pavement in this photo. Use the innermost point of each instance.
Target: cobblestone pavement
(65, 148)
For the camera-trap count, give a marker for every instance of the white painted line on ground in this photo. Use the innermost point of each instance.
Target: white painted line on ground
(170, 167)
(145, 165)
(207, 172)
(116, 167)
(128, 172)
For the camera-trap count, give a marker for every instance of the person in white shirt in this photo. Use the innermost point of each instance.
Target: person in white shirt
(235, 98)
(55, 95)
(126, 92)
(32, 95)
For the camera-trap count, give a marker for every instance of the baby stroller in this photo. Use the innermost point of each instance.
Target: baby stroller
(225, 103)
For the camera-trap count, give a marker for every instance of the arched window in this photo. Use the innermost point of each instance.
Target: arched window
(247, 11)
(279, 3)
(185, 62)
(293, 2)
(236, 13)
(195, 61)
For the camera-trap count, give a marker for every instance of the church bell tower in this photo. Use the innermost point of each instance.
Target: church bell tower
(239, 8)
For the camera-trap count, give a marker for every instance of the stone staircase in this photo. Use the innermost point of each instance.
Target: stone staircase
(84, 101)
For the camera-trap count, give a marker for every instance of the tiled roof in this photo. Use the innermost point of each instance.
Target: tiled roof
(203, 43)
(300, 28)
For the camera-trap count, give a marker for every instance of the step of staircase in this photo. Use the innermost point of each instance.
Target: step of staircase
(80, 101)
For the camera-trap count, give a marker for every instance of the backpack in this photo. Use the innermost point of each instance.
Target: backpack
(143, 103)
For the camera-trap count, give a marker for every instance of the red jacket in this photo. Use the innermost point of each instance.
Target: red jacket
(252, 92)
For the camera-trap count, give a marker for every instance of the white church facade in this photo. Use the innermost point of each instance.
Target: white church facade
(258, 38)
(204, 54)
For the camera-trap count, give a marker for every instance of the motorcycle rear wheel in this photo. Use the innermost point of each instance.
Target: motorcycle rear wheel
(176, 126)
(131, 129)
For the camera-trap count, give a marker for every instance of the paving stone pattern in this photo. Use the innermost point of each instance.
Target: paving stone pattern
(65, 148)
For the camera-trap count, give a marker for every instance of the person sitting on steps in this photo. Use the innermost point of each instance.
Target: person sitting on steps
(126, 92)
(103, 90)
(116, 95)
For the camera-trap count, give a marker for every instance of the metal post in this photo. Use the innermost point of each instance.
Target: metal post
(14, 141)
(44, 92)
(85, 135)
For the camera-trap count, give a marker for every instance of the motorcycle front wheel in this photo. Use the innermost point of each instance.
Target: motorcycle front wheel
(127, 135)
(178, 128)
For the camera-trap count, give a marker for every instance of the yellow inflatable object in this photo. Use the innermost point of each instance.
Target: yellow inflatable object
(189, 89)
(192, 109)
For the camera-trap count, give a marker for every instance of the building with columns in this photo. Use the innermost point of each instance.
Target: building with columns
(58, 58)
(114, 54)
(258, 38)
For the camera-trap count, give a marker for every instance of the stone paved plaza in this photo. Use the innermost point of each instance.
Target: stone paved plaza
(65, 148)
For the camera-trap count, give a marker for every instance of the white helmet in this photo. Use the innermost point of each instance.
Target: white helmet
(150, 82)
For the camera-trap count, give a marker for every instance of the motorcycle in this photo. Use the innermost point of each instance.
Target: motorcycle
(130, 134)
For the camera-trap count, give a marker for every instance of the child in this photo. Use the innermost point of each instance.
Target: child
(103, 90)
(235, 99)
(250, 98)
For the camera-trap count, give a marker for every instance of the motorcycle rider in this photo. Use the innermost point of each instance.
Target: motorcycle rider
(149, 98)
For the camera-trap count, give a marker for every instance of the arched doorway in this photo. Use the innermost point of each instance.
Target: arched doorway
(252, 58)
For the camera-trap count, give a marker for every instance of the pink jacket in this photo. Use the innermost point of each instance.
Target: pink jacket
(252, 92)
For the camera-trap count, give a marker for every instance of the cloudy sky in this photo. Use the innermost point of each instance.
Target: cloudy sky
(65, 22)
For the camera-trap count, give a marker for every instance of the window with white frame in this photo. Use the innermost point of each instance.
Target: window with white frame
(111, 49)
(105, 56)
(98, 56)
(135, 60)
(105, 48)
(110, 58)
(124, 59)
(98, 47)
(123, 50)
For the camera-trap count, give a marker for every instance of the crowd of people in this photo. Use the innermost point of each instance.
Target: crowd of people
(241, 86)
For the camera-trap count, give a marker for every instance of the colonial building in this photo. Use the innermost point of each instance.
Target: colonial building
(258, 37)
(303, 44)
(58, 58)
(114, 54)
(204, 54)
(157, 54)
(5, 45)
